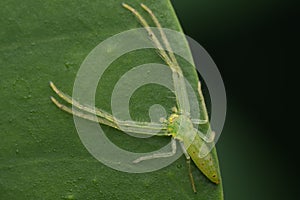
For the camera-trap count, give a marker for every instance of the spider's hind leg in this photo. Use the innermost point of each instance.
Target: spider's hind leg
(188, 161)
(159, 155)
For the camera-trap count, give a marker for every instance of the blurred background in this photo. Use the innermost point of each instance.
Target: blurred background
(250, 43)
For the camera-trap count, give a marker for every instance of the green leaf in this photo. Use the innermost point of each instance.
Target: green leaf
(41, 155)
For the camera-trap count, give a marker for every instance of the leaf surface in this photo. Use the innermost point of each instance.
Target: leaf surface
(41, 155)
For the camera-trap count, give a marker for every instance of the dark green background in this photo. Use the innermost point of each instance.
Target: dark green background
(250, 42)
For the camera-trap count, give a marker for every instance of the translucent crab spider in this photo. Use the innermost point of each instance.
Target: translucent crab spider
(179, 125)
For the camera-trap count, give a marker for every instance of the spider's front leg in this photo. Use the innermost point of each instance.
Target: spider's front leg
(102, 117)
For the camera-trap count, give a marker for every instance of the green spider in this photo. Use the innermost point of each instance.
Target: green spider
(178, 125)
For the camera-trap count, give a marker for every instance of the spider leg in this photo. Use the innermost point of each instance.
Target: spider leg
(130, 126)
(163, 35)
(83, 115)
(159, 155)
(188, 161)
(151, 34)
(72, 101)
(177, 75)
(199, 121)
(208, 138)
(125, 125)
